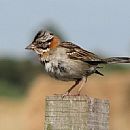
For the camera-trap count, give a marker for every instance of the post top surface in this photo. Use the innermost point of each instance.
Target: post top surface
(76, 98)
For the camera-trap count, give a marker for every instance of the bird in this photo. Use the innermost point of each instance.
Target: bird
(67, 61)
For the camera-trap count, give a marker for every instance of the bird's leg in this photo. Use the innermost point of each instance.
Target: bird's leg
(69, 90)
(84, 80)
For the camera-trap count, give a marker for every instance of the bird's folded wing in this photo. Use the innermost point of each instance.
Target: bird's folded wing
(77, 53)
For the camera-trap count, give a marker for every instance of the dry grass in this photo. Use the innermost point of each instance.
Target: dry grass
(29, 115)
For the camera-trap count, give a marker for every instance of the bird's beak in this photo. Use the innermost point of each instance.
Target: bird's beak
(30, 46)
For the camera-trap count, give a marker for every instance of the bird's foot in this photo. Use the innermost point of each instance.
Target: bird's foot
(63, 95)
(67, 94)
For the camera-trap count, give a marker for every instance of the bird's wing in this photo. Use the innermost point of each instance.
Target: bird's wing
(77, 53)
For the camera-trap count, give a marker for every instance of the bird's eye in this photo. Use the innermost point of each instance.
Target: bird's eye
(39, 42)
(51, 33)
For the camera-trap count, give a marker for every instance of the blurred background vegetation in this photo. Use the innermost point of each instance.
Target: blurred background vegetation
(15, 76)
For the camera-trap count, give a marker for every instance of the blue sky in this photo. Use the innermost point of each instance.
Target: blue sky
(97, 25)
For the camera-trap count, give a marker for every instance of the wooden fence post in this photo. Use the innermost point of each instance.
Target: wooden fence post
(76, 113)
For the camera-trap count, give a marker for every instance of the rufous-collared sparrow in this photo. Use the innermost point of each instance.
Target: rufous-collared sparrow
(67, 61)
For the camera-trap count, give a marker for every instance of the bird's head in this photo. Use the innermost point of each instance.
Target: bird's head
(43, 42)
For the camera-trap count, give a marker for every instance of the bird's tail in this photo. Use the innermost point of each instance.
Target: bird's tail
(114, 60)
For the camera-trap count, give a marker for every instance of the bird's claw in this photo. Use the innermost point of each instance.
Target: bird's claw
(67, 94)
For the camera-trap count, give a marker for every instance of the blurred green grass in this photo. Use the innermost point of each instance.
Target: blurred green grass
(10, 90)
(16, 75)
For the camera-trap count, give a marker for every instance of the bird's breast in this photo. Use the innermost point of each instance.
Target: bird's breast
(57, 70)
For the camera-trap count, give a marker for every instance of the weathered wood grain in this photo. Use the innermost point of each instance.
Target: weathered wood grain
(76, 113)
